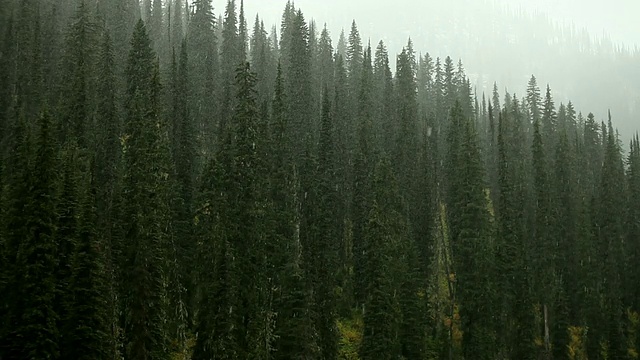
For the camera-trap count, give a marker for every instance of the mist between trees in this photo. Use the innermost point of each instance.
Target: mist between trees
(176, 184)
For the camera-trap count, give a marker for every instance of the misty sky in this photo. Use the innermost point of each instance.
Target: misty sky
(619, 18)
(433, 24)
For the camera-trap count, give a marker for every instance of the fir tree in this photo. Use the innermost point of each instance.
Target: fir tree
(471, 234)
(35, 334)
(145, 205)
(386, 230)
(204, 96)
(88, 330)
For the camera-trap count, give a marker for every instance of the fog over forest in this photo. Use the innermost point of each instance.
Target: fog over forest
(564, 43)
(187, 180)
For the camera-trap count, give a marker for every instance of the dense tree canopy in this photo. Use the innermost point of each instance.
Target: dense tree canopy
(172, 187)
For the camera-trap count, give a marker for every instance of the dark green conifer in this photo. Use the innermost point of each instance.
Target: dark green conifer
(144, 212)
(471, 231)
(34, 331)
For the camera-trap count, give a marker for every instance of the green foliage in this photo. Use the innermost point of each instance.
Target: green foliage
(34, 332)
(576, 350)
(350, 338)
(242, 210)
(146, 184)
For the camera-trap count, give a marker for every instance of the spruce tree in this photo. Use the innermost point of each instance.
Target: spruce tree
(514, 281)
(610, 246)
(327, 237)
(298, 84)
(16, 188)
(34, 331)
(215, 323)
(204, 95)
(633, 213)
(362, 171)
(386, 231)
(385, 131)
(88, 328)
(295, 329)
(549, 119)
(471, 232)
(183, 149)
(542, 251)
(144, 212)
(407, 113)
(231, 52)
(534, 102)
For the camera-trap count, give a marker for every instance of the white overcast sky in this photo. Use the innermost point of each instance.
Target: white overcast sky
(619, 18)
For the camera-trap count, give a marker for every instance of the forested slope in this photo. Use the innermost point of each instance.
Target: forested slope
(177, 184)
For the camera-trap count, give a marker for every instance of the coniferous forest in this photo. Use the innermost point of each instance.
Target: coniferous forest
(184, 183)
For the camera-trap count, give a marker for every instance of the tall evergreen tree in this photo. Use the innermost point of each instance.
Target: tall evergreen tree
(184, 155)
(144, 212)
(230, 57)
(514, 282)
(323, 250)
(298, 85)
(534, 100)
(633, 213)
(204, 96)
(386, 230)
(295, 329)
(610, 246)
(88, 331)
(542, 262)
(79, 64)
(471, 232)
(34, 331)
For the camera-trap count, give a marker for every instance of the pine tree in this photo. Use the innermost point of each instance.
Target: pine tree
(542, 249)
(217, 305)
(362, 171)
(16, 188)
(633, 227)
(120, 18)
(204, 95)
(471, 231)
(262, 61)
(35, 334)
(549, 119)
(66, 237)
(298, 85)
(246, 231)
(80, 58)
(449, 84)
(322, 259)
(107, 133)
(87, 334)
(184, 155)
(295, 330)
(243, 36)
(425, 84)
(324, 61)
(145, 205)
(534, 102)
(386, 230)
(385, 131)
(514, 280)
(407, 110)
(230, 58)
(353, 56)
(564, 221)
(610, 245)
